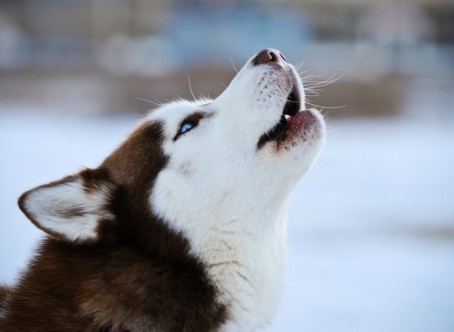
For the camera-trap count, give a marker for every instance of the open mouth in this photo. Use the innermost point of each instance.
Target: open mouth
(279, 131)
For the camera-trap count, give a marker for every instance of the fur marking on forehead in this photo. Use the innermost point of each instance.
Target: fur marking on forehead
(140, 158)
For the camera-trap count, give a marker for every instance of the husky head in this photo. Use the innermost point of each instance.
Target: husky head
(207, 178)
(213, 160)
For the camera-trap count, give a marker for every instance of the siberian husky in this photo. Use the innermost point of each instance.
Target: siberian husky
(182, 228)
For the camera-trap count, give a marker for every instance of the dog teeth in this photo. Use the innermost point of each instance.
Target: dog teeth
(286, 116)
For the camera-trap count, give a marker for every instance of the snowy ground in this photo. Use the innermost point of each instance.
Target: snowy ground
(371, 236)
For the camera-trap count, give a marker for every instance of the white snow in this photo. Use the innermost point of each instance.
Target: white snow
(371, 235)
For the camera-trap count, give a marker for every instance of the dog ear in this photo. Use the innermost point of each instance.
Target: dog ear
(72, 208)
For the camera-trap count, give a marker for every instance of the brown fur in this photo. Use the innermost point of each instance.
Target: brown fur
(137, 275)
(5, 291)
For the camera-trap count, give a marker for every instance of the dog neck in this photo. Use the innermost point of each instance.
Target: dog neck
(245, 258)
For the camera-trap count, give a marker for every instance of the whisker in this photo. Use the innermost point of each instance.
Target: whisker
(233, 65)
(332, 79)
(299, 65)
(156, 103)
(137, 115)
(325, 107)
(190, 87)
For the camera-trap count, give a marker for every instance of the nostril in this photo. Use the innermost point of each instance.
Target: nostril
(268, 55)
(274, 56)
(282, 56)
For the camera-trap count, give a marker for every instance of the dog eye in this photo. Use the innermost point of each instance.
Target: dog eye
(185, 127)
(189, 123)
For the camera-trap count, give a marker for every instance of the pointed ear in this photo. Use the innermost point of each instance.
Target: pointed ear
(73, 207)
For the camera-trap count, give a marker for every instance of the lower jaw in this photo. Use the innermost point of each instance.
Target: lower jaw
(300, 127)
(297, 126)
(301, 120)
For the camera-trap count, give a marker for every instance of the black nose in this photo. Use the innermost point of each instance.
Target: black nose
(268, 55)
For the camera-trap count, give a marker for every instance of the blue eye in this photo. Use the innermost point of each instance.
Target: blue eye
(188, 124)
(185, 127)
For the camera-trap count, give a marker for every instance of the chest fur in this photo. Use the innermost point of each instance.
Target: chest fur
(247, 271)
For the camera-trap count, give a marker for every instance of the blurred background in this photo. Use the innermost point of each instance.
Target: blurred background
(371, 234)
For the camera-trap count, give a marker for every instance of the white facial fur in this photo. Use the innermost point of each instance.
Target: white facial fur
(228, 197)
